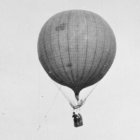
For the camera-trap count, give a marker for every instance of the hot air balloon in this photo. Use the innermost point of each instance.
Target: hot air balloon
(76, 48)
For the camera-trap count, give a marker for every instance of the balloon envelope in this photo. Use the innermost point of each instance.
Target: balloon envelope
(76, 48)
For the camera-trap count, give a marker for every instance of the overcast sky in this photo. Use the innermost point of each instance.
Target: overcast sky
(28, 97)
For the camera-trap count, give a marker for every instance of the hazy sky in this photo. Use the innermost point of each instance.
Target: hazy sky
(112, 112)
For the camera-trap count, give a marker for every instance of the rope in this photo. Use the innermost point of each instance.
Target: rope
(70, 102)
(81, 102)
(89, 94)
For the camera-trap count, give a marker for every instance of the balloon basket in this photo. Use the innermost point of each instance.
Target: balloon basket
(77, 119)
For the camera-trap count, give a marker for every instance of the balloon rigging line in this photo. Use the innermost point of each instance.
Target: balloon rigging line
(81, 102)
(89, 94)
(59, 87)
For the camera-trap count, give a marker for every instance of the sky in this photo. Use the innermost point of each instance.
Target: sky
(32, 107)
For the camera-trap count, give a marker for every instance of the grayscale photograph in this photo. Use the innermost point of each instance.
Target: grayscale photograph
(69, 70)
